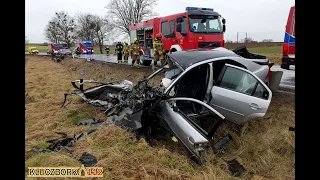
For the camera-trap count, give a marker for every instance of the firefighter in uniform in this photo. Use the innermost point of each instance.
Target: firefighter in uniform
(126, 52)
(159, 52)
(135, 55)
(119, 50)
(107, 49)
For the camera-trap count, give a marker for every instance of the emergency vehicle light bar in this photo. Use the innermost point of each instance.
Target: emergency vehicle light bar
(197, 8)
(87, 42)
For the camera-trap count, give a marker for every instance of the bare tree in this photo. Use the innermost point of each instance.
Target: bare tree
(85, 26)
(127, 12)
(267, 40)
(52, 32)
(102, 29)
(248, 40)
(64, 26)
(26, 41)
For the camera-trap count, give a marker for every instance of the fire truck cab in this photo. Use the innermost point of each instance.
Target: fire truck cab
(195, 28)
(86, 47)
(54, 47)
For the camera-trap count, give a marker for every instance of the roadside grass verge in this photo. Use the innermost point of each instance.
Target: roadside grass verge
(264, 146)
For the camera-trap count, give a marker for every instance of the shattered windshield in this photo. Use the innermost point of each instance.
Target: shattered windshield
(205, 24)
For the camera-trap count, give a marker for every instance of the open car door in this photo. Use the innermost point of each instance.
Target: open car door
(188, 126)
(240, 95)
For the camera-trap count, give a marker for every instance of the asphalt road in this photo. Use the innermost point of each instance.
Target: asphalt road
(288, 78)
(287, 82)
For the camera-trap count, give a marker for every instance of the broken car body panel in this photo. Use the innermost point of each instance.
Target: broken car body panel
(182, 126)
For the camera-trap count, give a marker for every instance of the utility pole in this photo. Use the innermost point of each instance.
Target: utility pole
(246, 36)
(237, 37)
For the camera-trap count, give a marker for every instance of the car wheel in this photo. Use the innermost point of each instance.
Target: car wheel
(285, 66)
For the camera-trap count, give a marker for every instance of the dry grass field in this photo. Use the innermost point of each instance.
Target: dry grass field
(264, 146)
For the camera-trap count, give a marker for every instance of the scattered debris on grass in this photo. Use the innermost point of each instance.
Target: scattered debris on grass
(88, 160)
(222, 143)
(235, 168)
(89, 121)
(64, 142)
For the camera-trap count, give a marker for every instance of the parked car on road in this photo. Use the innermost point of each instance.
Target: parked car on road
(199, 90)
(33, 50)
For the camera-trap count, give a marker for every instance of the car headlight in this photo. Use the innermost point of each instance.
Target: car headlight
(84, 51)
(92, 50)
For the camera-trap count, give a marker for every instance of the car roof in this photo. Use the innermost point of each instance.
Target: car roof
(184, 59)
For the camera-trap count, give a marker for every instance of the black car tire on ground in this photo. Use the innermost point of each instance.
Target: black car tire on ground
(285, 66)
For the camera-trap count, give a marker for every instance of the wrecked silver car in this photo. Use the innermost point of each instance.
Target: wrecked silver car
(199, 90)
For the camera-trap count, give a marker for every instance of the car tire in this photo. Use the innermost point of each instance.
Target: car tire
(285, 66)
(146, 62)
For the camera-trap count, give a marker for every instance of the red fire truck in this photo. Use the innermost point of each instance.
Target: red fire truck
(86, 47)
(54, 47)
(192, 29)
(288, 51)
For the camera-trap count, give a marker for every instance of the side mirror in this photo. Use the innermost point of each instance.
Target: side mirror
(224, 28)
(223, 21)
(178, 28)
(179, 19)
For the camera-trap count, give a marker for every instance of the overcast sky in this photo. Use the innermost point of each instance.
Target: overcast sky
(261, 19)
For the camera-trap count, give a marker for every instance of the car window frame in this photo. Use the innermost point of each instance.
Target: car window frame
(195, 125)
(223, 71)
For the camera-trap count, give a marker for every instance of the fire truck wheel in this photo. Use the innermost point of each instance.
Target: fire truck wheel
(146, 62)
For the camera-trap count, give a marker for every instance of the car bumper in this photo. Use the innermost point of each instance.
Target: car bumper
(88, 52)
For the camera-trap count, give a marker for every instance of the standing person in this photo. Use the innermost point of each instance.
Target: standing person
(76, 52)
(159, 52)
(119, 50)
(107, 49)
(126, 52)
(135, 49)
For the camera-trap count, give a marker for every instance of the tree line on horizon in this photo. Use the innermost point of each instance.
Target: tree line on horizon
(86, 26)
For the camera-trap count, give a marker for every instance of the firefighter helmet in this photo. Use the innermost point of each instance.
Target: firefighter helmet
(126, 43)
(158, 36)
(135, 39)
